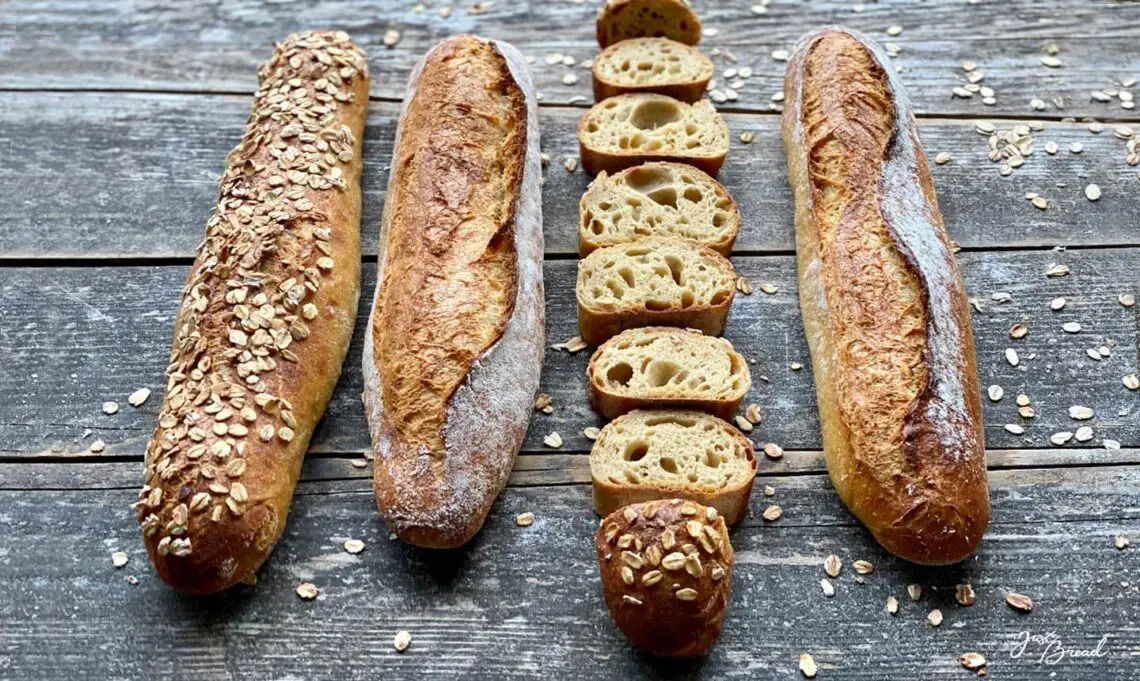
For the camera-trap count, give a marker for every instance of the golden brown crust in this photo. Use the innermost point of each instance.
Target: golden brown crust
(611, 493)
(884, 307)
(450, 262)
(455, 338)
(666, 569)
(623, 19)
(266, 318)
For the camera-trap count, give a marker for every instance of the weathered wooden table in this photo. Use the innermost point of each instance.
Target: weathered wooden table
(114, 121)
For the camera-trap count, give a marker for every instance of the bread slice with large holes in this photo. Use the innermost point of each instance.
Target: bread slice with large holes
(665, 367)
(659, 65)
(629, 130)
(624, 19)
(657, 199)
(662, 454)
(656, 281)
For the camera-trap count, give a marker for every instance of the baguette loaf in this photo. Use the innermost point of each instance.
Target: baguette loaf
(629, 130)
(265, 321)
(662, 367)
(657, 199)
(624, 19)
(660, 454)
(884, 308)
(454, 347)
(659, 65)
(653, 282)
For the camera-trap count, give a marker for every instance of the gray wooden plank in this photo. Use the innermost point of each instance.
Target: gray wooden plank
(124, 471)
(524, 603)
(125, 175)
(72, 338)
(128, 45)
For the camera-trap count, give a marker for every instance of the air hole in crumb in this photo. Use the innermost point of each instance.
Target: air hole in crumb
(620, 374)
(660, 372)
(693, 194)
(720, 297)
(676, 269)
(636, 450)
(669, 465)
(653, 114)
(687, 299)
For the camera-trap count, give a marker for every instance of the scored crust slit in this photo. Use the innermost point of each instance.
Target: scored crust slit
(884, 307)
(456, 333)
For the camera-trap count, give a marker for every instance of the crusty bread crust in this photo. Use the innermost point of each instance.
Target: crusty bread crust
(666, 572)
(454, 346)
(266, 318)
(623, 19)
(612, 403)
(596, 325)
(686, 89)
(885, 311)
(610, 494)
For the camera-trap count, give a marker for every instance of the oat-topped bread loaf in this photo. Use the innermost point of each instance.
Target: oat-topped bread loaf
(624, 19)
(454, 347)
(629, 130)
(266, 317)
(660, 367)
(663, 453)
(666, 569)
(659, 65)
(656, 281)
(657, 199)
(884, 308)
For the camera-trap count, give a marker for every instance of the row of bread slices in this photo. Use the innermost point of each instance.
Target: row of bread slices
(654, 290)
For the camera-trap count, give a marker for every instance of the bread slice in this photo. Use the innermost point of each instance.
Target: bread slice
(624, 19)
(657, 199)
(661, 454)
(629, 130)
(659, 65)
(653, 282)
(659, 366)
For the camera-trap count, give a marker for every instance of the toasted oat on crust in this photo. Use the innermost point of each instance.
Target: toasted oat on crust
(655, 281)
(659, 367)
(624, 19)
(664, 453)
(657, 199)
(658, 65)
(666, 573)
(628, 130)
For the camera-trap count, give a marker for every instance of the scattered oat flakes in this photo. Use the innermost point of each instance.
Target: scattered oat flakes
(1051, 61)
(892, 605)
(97, 446)
(914, 591)
(110, 408)
(543, 401)
(573, 345)
(1014, 429)
(1092, 192)
(863, 567)
(807, 666)
(743, 424)
(307, 591)
(935, 617)
(353, 546)
(827, 587)
(1071, 327)
(746, 137)
(832, 565)
(524, 519)
(752, 413)
(964, 594)
(391, 37)
(1051, 148)
(1057, 304)
(769, 491)
(1111, 445)
(942, 158)
(569, 79)
(139, 396)
(1076, 148)
(1121, 542)
(1083, 434)
(894, 30)
(1018, 331)
(120, 559)
(995, 393)
(773, 513)
(743, 285)
(1080, 413)
(780, 55)
(402, 640)
(1126, 299)
(591, 432)
(795, 366)
(972, 661)
(1019, 602)
(1131, 381)
(773, 450)
(1061, 437)
(1011, 357)
(554, 440)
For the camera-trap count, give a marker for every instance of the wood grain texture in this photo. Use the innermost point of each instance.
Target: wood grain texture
(94, 150)
(476, 614)
(80, 44)
(75, 337)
